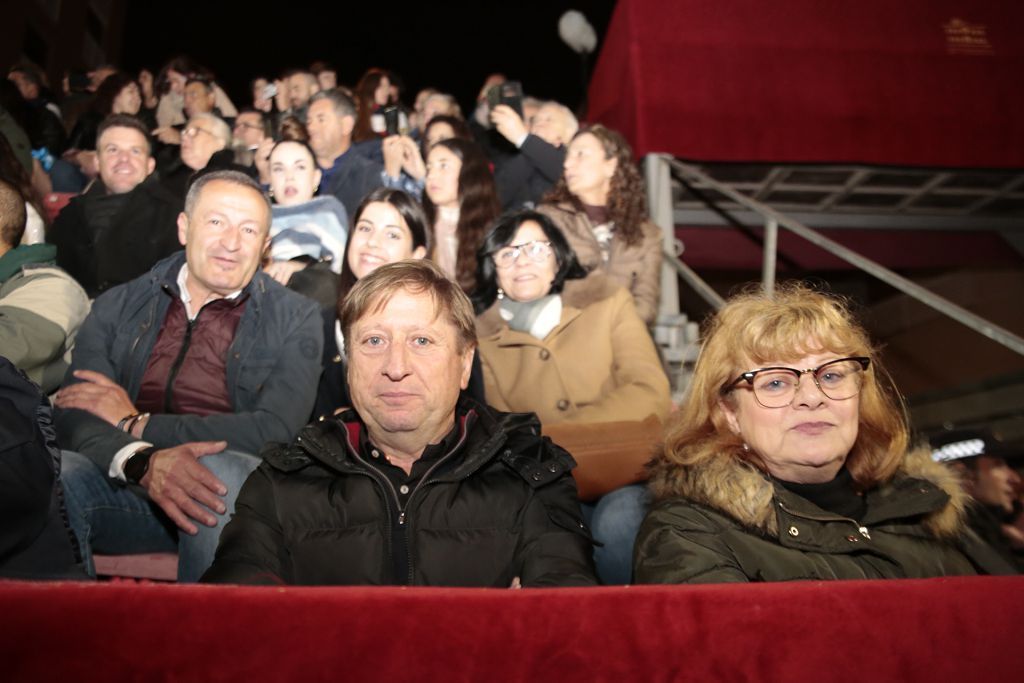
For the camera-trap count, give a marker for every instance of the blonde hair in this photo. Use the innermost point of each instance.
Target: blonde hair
(416, 276)
(757, 328)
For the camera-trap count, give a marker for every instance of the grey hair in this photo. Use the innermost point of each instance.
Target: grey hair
(572, 125)
(342, 103)
(235, 177)
(453, 106)
(220, 127)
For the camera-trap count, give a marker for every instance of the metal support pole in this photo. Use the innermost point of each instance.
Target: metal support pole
(771, 243)
(659, 200)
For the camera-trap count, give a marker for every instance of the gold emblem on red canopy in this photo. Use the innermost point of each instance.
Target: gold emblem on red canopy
(963, 38)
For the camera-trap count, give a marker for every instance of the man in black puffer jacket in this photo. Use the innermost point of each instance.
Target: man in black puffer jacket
(412, 487)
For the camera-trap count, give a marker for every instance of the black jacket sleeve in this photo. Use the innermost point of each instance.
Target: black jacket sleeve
(251, 545)
(556, 548)
(544, 157)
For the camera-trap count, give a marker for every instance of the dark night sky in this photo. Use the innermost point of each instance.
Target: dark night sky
(451, 46)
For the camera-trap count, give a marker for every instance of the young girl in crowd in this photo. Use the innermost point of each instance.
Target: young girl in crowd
(460, 203)
(308, 233)
(388, 226)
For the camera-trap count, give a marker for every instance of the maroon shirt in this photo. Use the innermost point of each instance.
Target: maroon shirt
(187, 369)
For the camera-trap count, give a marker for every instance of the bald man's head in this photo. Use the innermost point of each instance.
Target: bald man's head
(12, 216)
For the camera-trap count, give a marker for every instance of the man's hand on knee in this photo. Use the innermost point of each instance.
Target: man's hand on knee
(184, 488)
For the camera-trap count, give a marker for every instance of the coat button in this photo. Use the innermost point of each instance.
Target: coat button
(563, 404)
(403, 489)
(545, 354)
(852, 539)
(536, 476)
(793, 531)
(552, 468)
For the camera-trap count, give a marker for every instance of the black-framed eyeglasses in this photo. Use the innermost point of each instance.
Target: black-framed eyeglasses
(537, 251)
(776, 387)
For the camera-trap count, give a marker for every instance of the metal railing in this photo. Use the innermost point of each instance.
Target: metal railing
(775, 220)
(695, 281)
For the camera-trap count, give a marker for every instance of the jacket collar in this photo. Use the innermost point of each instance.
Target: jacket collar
(333, 440)
(23, 255)
(737, 489)
(576, 296)
(164, 275)
(98, 189)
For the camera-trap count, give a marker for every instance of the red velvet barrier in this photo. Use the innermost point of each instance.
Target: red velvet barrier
(932, 630)
(914, 82)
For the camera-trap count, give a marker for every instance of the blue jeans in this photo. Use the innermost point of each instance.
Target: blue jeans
(110, 518)
(615, 521)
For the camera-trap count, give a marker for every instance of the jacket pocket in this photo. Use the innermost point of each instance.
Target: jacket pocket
(254, 373)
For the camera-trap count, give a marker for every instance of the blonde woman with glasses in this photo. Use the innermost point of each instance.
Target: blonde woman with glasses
(791, 459)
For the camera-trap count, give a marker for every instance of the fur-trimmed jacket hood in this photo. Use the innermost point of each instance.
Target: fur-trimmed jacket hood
(724, 520)
(741, 491)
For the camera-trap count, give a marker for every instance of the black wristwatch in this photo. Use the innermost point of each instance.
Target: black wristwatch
(137, 464)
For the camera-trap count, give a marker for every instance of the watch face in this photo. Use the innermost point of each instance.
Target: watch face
(137, 465)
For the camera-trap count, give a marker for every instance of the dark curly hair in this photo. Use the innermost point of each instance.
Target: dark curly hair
(478, 206)
(109, 89)
(627, 196)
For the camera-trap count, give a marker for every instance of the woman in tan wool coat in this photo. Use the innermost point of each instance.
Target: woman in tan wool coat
(572, 349)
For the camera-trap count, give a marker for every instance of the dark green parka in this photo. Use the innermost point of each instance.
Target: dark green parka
(727, 522)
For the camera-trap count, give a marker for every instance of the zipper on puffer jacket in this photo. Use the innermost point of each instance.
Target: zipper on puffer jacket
(386, 486)
(367, 471)
(425, 479)
(863, 530)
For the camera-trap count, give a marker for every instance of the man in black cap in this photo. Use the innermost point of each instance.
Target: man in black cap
(981, 460)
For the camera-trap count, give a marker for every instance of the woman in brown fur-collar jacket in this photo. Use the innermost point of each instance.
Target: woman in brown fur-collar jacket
(790, 461)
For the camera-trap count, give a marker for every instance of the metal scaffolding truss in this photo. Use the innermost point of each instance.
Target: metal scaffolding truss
(837, 194)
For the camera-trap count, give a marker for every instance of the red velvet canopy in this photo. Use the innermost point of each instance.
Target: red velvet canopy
(916, 82)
